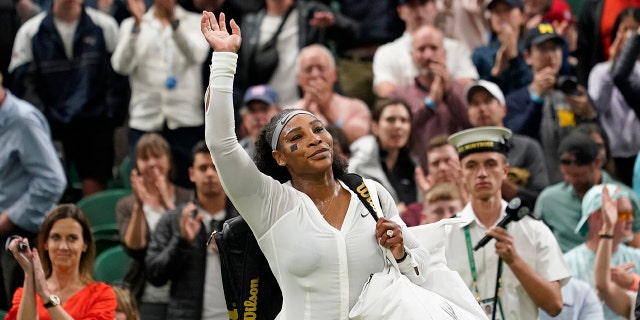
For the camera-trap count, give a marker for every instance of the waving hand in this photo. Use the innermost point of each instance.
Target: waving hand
(217, 35)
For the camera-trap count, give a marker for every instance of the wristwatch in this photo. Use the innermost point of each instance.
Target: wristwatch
(53, 301)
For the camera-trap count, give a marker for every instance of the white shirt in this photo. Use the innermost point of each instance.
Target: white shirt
(536, 245)
(151, 56)
(66, 31)
(283, 80)
(321, 270)
(214, 306)
(392, 62)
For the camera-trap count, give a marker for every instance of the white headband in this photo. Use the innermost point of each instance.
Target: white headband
(282, 123)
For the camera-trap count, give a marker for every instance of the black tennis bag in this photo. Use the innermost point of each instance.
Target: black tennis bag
(250, 289)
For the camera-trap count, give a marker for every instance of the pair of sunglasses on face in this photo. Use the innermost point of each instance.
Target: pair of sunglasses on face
(625, 215)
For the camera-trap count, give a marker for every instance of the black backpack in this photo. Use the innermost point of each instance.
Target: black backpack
(250, 288)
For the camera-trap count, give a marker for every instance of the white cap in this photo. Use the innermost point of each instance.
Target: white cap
(481, 139)
(491, 87)
(592, 202)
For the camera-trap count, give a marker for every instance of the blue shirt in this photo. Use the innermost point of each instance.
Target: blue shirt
(32, 179)
(581, 260)
(580, 302)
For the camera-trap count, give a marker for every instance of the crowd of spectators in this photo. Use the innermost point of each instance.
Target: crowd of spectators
(391, 80)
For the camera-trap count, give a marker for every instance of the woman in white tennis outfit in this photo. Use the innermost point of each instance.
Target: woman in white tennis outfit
(319, 239)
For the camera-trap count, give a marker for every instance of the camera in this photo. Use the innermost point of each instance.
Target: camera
(568, 85)
(22, 247)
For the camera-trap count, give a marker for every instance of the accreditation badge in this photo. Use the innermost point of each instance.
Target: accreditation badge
(487, 306)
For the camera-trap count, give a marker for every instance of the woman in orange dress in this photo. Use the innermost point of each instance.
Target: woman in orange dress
(58, 282)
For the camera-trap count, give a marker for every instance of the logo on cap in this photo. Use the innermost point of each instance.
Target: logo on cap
(545, 28)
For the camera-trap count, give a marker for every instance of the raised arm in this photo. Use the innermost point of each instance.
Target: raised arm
(257, 197)
(613, 296)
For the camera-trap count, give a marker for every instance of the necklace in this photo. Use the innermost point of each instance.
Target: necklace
(335, 195)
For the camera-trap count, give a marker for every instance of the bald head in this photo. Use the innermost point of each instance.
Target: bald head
(315, 62)
(315, 51)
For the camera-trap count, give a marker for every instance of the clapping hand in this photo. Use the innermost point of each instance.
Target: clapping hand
(40, 279)
(424, 182)
(217, 35)
(190, 224)
(580, 104)
(164, 188)
(322, 19)
(24, 257)
(137, 9)
(622, 275)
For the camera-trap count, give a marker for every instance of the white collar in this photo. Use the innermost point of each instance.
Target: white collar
(469, 216)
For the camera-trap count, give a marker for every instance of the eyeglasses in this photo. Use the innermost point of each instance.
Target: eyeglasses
(625, 215)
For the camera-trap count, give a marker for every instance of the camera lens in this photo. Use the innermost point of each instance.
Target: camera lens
(22, 247)
(568, 85)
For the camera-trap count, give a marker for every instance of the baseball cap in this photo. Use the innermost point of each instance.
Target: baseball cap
(541, 33)
(514, 3)
(581, 146)
(481, 139)
(491, 87)
(262, 93)
(592, 202)
(559, 12)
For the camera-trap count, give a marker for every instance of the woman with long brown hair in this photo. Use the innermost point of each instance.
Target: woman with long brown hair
(58, 282)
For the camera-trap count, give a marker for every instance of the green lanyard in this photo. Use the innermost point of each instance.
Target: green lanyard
(472, 262)
(474, 275)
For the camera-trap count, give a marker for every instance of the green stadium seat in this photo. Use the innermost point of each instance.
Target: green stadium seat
(112, 265)
(100, 208)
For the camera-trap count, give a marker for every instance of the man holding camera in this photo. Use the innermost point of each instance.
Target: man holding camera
(552, 105)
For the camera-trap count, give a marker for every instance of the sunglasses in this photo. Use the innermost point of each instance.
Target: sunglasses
(568, 162)
(625, 215)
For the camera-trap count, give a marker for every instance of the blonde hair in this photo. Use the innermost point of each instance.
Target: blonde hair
(126, 304)
(442, 192)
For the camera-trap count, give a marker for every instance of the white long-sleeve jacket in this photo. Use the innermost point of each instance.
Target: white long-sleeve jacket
(321, 270)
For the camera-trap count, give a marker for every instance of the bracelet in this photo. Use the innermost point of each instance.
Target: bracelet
(536, 98)
(428, 102)
(606, 236)
(403, 257)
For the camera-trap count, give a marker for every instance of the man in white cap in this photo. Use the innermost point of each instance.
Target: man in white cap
(525, 261)
(627, 259)
(527, 171)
